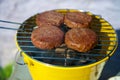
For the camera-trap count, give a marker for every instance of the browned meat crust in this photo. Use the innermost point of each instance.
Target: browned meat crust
(47, 37)
(81, 39)
(50, 18)
(77, 20)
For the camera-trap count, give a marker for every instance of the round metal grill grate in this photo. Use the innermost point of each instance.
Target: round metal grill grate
(62, 55)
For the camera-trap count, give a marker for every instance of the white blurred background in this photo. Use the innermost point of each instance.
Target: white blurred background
(20, 10)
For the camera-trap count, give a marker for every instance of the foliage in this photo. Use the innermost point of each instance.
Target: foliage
(5, 72)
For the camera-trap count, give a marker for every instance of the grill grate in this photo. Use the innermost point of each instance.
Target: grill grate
(64, 56)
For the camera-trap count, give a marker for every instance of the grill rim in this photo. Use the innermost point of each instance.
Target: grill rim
(94, 63)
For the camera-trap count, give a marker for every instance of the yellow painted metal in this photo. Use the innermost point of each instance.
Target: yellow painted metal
(44, 71)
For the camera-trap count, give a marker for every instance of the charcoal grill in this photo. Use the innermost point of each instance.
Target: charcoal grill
(63, 63)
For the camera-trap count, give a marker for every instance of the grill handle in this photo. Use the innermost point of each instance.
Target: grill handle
(10, 22)
(18, 54)
(4, 21)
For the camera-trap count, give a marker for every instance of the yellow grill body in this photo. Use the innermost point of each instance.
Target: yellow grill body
(44, 71)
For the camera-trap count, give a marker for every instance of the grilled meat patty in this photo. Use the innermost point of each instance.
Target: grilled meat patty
(50, 18)
(77, 20)
(47, 37)
(81, 39)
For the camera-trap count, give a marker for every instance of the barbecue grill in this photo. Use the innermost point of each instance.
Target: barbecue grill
(63, 63)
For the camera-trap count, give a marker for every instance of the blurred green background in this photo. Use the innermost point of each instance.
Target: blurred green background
(5, 72)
